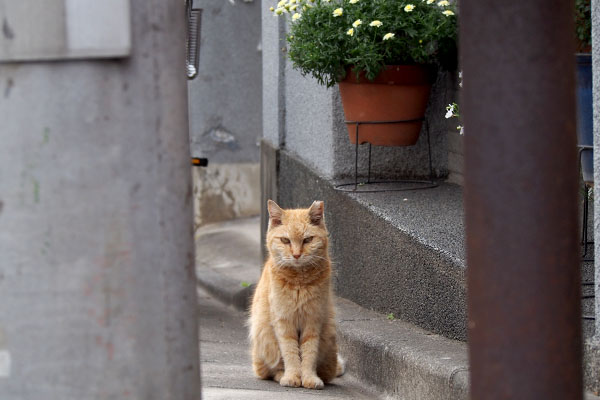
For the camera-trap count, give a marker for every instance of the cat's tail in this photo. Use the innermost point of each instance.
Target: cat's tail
(341, 366)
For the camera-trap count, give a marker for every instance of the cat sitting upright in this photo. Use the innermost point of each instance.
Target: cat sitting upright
(292, 318)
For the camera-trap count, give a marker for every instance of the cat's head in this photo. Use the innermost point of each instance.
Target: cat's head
(297, 238)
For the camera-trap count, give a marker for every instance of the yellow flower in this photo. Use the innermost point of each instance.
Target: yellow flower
(292, 1)
(409, 8)
(350, 32)
(279, 11)
(377, 23)
(353, 1)
(420, 40)
(430, 1)
(448, 13)
(388, 36)
(281, 3)
(443, 3)
(338, 12)
(296, 17)
(356, 23)
(292, 8)
(271, 9)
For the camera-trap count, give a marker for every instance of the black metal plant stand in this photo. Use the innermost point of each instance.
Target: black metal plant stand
(364, 187)
(586, 196)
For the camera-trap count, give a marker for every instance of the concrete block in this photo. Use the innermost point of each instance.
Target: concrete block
(62, 29)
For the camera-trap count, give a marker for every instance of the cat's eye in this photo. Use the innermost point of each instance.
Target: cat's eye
(285, 240)
(308, 239)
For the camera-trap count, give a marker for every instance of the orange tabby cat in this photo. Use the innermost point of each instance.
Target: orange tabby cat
(292, 322)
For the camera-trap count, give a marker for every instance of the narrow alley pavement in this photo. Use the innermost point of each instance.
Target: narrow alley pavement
(225, 362)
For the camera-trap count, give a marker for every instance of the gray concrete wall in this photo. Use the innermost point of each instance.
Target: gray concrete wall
(97, 283)
(226, 111)
(309, 121)
(225, 97)
(315, 131)
(456, 162)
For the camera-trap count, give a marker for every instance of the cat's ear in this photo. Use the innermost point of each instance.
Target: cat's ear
(315, 212)
(275, 213)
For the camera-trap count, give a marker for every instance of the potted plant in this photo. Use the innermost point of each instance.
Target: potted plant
(383, 54)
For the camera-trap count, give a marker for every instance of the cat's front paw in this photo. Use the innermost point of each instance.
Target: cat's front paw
(291, 380)
(312, 382)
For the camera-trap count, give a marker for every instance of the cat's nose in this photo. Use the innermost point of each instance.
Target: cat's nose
(297, 256)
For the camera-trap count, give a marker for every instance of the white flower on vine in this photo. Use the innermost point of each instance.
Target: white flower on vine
(409, 7)
(388, 36)
(377, 23)
(448, 13)
(296, 17)
(353, 1)
(350, 32)
(356, 23)
(443, 3)
(338, 12)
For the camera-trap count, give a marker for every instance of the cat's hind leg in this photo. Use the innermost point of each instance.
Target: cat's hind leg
(260, 369)
(327, 365)
(266, 357)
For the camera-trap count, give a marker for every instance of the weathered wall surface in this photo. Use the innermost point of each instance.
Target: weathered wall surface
(225, 191)
(97, 284)
(226, 110)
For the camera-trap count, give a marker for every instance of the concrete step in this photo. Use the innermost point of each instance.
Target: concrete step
(394, 252)
(397, 358)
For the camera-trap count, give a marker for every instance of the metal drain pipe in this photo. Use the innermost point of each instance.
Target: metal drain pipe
(521, 199)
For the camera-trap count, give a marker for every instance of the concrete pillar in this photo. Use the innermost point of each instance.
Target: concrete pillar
(97, 284)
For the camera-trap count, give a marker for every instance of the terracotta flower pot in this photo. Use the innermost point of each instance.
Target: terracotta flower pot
(400, 92)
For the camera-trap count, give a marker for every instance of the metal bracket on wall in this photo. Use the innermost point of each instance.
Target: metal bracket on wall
(387, 185)
(194, 22)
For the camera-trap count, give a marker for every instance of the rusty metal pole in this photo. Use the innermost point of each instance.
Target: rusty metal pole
(521, 199)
